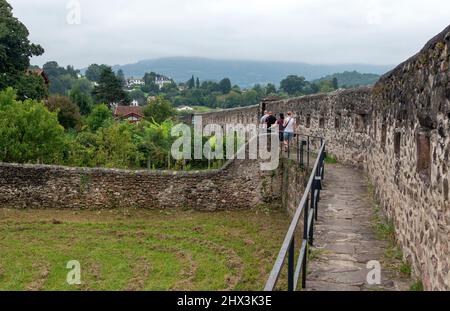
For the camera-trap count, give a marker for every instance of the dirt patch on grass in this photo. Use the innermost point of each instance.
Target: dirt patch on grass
(44, 271)
(141, 272)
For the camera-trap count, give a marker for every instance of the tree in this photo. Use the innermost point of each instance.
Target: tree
(325, 86)
(138, 95)
(335, 83)
(191, 83)
(109, 89)
(68, 113)
(121, 77)
(293, 85)
(15, 53)
(61, 79)
(271, 89)
(225, 86)
(94, 72)
(100, 117)
(30, 86)
(115, 146)
(29, 133)
(197, 83)
(159, 110)
(80, 94)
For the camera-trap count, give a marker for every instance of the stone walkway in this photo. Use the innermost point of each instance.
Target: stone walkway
(345, 240)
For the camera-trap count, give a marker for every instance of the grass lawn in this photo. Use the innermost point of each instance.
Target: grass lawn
(139, 250)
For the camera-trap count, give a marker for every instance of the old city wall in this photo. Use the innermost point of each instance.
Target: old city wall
(408, 158)
(399, 131)
(238, 185)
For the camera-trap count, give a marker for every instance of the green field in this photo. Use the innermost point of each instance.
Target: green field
(139, 250)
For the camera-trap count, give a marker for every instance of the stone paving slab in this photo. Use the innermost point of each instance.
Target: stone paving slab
(344, 238)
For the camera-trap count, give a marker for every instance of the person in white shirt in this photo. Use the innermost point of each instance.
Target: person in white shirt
(264, 119)
(290, 125)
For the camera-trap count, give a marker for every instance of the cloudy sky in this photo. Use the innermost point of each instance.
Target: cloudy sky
(312, 31)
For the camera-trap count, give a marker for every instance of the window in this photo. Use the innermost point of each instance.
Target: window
(397, 144)
(383, 135)
(360, 122)
(308, 121)
(322, 122)
(423, 154)
(337, 122)
(375, 129)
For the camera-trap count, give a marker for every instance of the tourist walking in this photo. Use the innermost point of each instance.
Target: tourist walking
(271, 120)
(289, 129)
(264, 118)
(280, 124)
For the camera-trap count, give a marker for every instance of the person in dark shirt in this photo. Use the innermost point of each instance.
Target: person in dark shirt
(280, 123)
(270, 121)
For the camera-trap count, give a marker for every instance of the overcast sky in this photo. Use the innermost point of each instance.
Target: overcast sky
(312, 31)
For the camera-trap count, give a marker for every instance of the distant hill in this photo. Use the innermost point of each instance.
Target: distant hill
(242, 73)
(353, 78)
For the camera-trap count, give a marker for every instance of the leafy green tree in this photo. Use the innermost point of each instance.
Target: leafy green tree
(191, 83)
(115, 146)
(270, 89)
(159, 110)
(138, 95)
(100, 116)
(80, 94)
(325, 86)
(61, 79)
(121, 77)
(197, 83)
(335, 83)
(154, 141)
(225, 86)
(30, 86)
(15, 53)
(29, 133)
(293, 85)
(68, 113)
(109, 89)
(94, 71)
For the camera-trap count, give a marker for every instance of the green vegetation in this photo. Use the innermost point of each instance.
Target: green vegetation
(15, 53)
(351, 79)
(109, 89)
(139, 250)
(298, 86)
(417, 287)
(330, 159)
(28, 131)
(385, 230)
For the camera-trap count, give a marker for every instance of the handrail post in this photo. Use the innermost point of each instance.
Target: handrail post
(289, 149)
(309, 148)
(291, 265)
(301, 154)
(305, 238)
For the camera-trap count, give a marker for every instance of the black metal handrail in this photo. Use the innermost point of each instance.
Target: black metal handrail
(309, 207)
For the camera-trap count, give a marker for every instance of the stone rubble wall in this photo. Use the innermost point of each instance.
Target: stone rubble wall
(239, 185)
(408, 159)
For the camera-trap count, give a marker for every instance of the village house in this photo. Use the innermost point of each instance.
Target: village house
(132, 82)
(160, 81)
(133, 114)
(185, 108)
(42, 74)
